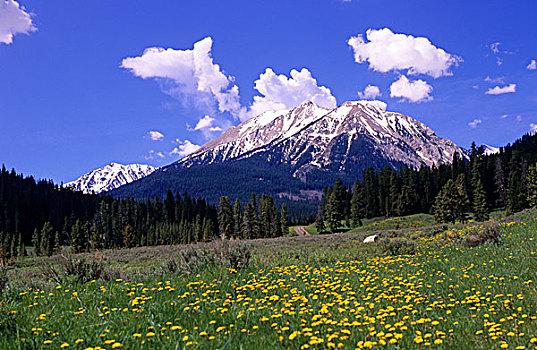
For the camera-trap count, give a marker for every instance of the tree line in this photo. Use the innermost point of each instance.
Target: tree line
(473, 184)
(46, 216)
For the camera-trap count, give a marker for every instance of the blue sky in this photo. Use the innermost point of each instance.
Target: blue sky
(78, 90)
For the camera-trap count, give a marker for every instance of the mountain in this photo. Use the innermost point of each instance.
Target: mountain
(294, 153)
(110, 177)
(488, 150)
(346, 139)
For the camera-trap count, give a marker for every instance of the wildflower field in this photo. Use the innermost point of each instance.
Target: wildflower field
(444, 295)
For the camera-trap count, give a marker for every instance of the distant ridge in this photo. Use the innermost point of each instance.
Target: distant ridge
(110, 177)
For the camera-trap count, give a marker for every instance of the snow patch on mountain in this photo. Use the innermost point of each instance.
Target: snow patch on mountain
(488, 150)
(109, 177)
(346, 138)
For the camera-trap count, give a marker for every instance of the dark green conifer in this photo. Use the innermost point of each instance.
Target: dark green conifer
(225, 218)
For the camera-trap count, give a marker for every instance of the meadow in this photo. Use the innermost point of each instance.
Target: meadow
(314, 292)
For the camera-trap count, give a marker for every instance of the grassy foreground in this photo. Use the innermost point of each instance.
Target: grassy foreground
(343, 295)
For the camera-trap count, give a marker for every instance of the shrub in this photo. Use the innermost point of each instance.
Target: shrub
(231, 254)
(3, 279)
(81, 270)
(191, 260)
(489, 232)
(398, 246)
(220, 253)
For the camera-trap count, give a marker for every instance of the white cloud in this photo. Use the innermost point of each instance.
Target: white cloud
(411, 91)
(209, 126)
(475, 87)
(184, 148)
(474, 123)
(533, 127)
(13, 20)
(155, 135)
(282, 92)
(370, 92)
(386, 51)
(498, 80)
(532, 65)
(207, 123)
(188, 74)
(497, 90)
(495, 47)
(504, 116)
(153, 155)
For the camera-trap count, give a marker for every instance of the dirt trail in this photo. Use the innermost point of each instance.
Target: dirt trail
(301, 231)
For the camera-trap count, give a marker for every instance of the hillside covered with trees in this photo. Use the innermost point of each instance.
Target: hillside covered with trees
(506, 180)
(46, 216)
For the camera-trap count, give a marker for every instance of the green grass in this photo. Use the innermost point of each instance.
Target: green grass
(403, 222)
(297, 291)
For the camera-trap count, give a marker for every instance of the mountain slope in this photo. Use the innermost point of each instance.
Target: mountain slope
(295, 153)
(110, 177)
(311, 138)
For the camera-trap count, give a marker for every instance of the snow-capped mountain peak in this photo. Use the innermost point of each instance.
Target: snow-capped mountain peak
(348, 138)
(109, 177)
(488, 150)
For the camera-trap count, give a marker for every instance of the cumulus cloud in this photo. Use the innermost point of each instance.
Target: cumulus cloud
(152, 154)
(207, 123)
(386, 51)
(209, 126)
(474, 123)
(497, 90)
(155, 135)
(188, 74)
(533, 127)
(184, 148)
(13, 20)
(532, 65)
(411, 91)
(370, 92)
(282, 92)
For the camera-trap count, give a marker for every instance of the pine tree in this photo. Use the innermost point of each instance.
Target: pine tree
(250, 227)
(499, 182)
(284, 220)
(319, 223)
(4, 252)
(128, 236)
(444, 204)
(95, 238)
(515, 194)
(22, 247)
(333, 217)
(36, 241)
(47, 239)
(237, 219)
(461, 201)
(532, 186)
(340, 197)
(78, 237)
(357, 205)
(225, 218)
(169, 206)
(480, 202)
(277, 224)
(56, 242)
